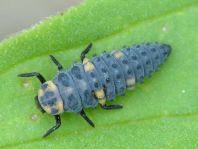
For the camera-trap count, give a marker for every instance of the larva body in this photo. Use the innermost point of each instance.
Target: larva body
(93, 82)
(101, 78)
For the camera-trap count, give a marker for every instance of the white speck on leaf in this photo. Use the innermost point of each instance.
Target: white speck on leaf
(34, 117)
(183, 91)
(26, 84)
(165, 28)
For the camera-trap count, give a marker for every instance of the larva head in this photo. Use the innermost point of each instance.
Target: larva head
(50, 99)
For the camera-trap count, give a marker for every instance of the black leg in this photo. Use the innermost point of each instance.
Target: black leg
(32, 74)
(85, 51)
(83, 114)
(56, 62)
(58, 124)
(111, 107)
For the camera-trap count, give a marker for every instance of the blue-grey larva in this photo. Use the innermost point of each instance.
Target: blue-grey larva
(95, 81)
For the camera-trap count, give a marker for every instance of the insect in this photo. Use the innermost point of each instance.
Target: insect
(95, 81)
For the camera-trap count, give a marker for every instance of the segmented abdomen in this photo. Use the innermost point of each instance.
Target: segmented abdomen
(111, 72)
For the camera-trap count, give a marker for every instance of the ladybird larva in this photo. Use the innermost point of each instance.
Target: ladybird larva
(93, 82)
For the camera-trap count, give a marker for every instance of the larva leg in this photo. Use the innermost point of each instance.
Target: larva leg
(58, 124)
(56, 62)
(111, 107)
(84, 116)
(32, 74)
(85, 51)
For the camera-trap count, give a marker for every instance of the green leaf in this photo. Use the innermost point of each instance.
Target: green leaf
(161, 113)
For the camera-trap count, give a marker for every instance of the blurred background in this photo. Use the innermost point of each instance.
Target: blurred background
(16, 15)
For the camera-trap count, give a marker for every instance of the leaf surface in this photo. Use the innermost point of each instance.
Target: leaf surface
(161, 113)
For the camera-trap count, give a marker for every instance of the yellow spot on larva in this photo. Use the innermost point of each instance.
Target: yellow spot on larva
(85, 60)
(118, 54)
(59, 106)
(88, 66)
(40, 93)
(51, 86)
(100, 94)
(130, 83)
(47, 109)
